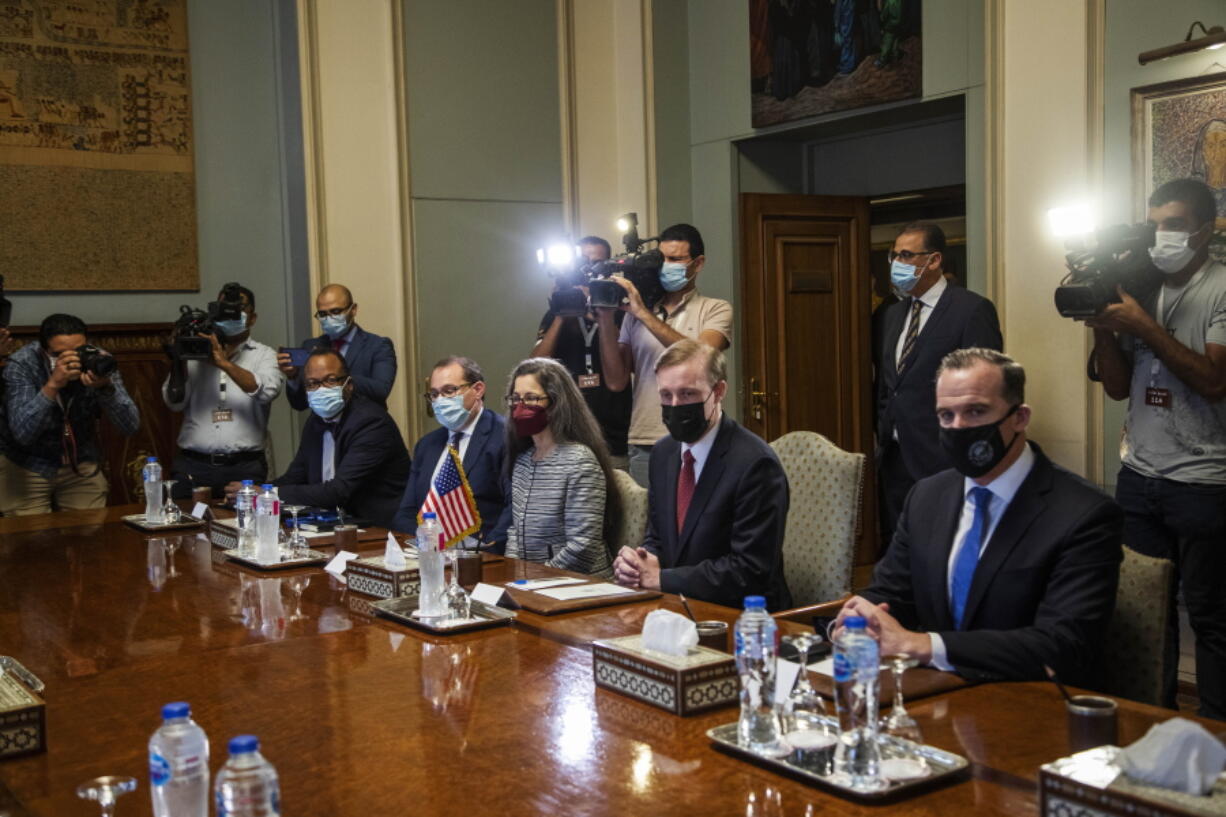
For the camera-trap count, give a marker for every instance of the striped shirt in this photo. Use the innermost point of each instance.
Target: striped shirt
(557, 511)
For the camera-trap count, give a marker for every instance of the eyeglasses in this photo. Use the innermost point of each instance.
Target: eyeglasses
(906, 256)
(340, 310)
(446, 391)
(331, 382)
(530, 399)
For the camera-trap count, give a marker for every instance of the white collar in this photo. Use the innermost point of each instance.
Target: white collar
(702, 448)
(467, 428)
(933, 293)
(1005, 486)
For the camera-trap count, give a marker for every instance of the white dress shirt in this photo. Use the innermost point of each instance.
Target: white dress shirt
(466, 433)
(929, 300)
(202, 396)
(702, 449)
(1003, 489)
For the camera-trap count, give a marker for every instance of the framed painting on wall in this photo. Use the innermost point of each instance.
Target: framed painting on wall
(1178, 131)
(810, 57)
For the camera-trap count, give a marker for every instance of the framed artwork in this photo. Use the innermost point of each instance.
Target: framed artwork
(810, 57)
(1179, 130)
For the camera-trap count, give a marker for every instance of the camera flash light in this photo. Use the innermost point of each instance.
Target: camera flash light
(1071, 220)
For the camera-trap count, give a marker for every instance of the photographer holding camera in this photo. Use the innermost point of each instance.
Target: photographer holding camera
(224, 395)
(55, 391)
(574, 341)
(1168, 357)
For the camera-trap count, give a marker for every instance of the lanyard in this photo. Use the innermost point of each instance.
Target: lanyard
(588, 334)
(221, 391)
(1164, 318)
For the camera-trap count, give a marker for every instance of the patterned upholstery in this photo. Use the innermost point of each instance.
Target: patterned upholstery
(633, 522)
(1136, 637)
(819, 546)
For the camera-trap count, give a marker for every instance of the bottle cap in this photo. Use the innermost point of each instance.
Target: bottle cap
(855, 623)
(755, 603)
(249, 482)
(244, 744)
(151, 459)
(267, 486)
(429, 515)
(178, 709)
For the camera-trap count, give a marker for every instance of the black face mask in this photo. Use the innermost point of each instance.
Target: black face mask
(976, 450)
(686, 423)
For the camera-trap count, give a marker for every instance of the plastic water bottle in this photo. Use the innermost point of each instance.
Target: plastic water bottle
(244, 507)
(857, 661)
(757, 646)
(179, 765)
(247, 785)
(430, 566)
(267, 526)
(155, 513)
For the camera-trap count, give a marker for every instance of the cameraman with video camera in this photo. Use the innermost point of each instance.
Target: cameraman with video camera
(55, 391)
(1168, 357)
(223, 382)
(574, 341)
(647, 331)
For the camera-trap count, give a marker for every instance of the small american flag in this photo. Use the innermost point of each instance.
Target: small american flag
(451, 499)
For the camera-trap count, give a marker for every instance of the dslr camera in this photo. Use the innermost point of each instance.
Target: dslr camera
(95, 361)
(1097, 264)
(193, 326)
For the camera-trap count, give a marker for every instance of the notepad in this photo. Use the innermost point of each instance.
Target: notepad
(587, 591)
(541, 584)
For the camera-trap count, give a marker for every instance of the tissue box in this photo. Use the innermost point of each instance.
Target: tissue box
(370, 577)
(701, 680)
(222, 535)
(23, 719)
(1089, 784)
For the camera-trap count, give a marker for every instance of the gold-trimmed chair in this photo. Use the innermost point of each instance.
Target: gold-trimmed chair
(1136, 637)
(633, 522)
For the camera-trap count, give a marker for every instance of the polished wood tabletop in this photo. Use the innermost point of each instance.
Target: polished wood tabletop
(364, 717)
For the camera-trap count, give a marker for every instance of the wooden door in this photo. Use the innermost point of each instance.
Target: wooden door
(807, 359)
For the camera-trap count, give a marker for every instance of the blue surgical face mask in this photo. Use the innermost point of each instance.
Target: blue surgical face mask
(450, 412)
(903, 276)
(673, 277)
(232, 329)
(327, 401)
(334, 325)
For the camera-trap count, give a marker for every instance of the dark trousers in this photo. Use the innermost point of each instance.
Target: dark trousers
(192, 473)
(1186, 523)
(894, 482)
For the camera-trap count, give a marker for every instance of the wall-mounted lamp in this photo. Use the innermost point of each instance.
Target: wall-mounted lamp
(1215, 37)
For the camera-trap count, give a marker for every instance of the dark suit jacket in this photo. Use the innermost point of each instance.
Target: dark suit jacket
(371, 360)
(731, 545)
(1045, 586)
(483, 465)
(372, 464)
(960, 320)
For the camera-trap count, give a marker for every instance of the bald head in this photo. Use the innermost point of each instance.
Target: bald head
(336, 291)
(335, 309)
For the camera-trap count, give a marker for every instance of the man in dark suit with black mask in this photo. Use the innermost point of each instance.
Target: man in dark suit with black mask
(457, 397)
(718, 501)
(933, 319)
(1005, 563)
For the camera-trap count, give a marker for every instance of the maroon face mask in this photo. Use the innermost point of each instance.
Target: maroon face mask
(529, 420)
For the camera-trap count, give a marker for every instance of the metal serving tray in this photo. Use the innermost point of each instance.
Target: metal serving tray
(943, 767)
(313, 557)
(483, 616)
(137, 520)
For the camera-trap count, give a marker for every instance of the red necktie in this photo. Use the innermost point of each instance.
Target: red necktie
(685, 488)
(339, 346)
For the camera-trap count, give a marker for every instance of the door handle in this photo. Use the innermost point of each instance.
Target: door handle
(757, 399)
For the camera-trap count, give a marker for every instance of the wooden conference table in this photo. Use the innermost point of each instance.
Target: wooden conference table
(363, 717)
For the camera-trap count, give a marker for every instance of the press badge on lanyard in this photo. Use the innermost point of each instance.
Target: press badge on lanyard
(221, 414)
(1154, 396)
(591, 380)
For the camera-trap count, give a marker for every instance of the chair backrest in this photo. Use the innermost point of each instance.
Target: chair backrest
(825, 484)
(633, 522)
(1136, 638)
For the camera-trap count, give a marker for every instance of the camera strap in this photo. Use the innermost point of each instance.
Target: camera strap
(68, 445)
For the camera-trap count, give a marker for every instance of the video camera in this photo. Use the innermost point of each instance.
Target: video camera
(193, 326)
(640, 268)
(1113, 256)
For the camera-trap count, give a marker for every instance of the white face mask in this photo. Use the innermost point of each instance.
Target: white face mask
(1171, 252)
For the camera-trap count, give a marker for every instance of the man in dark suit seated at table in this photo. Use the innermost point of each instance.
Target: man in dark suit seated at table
(351, 455)
(1006, 562)
(457, 397)
(371, 358)
(718, 502)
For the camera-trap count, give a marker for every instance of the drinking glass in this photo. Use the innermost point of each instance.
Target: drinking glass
(459, 605)
(171, 508)
(803, 708)
(105, 791)
(297, 585)
(899, 722)
(171, 543)
(297, 542)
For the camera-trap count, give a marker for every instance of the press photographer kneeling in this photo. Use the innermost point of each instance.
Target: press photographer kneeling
(1167, 354)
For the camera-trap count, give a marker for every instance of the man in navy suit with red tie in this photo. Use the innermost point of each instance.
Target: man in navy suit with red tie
(718, 501)
(1006, 562)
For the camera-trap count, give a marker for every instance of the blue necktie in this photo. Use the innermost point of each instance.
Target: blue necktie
(968, 557)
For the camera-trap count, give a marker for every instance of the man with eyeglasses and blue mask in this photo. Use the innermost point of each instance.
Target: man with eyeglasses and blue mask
(371, 358)
(225, 402)
(456, 396)
(931, 319)
(351, 455)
